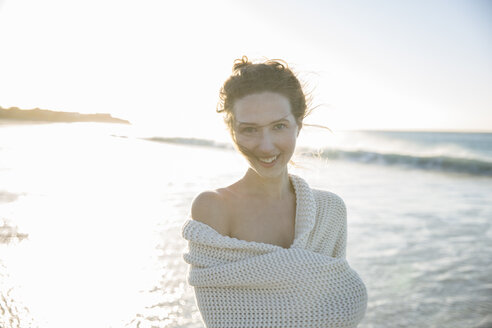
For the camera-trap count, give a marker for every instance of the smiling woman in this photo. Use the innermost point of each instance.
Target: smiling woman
(269, 251)
(265, 131)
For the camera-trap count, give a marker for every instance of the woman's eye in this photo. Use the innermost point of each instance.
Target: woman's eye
(248, 130)
(280, 126)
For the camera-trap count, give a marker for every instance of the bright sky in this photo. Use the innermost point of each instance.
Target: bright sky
(419, 65)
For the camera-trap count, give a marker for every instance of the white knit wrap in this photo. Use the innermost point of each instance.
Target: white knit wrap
(242, 283)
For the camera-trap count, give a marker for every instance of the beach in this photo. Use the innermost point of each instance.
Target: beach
(98, 211)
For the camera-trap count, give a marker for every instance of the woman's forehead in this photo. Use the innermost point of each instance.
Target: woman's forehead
(262, 108)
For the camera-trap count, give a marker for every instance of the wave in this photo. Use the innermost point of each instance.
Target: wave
(435, 163)
(441, 163)
(191, 141)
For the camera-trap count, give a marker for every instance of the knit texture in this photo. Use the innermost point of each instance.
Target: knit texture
(241, 283)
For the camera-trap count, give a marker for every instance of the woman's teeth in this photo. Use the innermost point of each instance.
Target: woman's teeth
(267, 159)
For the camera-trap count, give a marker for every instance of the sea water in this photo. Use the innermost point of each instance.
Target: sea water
(91, 217)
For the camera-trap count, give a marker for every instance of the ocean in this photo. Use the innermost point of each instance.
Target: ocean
(91, 217)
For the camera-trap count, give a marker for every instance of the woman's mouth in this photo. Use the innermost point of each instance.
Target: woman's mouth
(268, 161)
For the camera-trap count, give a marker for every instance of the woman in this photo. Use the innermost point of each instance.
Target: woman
(269, 251)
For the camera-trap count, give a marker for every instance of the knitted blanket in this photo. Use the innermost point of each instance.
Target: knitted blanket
(241, 283)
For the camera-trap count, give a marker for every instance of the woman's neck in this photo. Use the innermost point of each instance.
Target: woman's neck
(271, 188)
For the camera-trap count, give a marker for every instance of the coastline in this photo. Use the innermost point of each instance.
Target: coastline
(36, 115)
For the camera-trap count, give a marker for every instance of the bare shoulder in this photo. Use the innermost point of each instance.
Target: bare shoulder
(210, 207)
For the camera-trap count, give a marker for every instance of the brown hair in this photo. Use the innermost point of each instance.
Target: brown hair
(248, 78)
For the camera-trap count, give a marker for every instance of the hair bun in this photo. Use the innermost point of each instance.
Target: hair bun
(241, 63)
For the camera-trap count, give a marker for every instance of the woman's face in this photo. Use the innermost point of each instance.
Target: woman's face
(265, 131)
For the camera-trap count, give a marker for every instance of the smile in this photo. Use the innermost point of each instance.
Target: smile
(267, 160)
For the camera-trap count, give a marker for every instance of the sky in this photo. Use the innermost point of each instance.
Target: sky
(387, 65)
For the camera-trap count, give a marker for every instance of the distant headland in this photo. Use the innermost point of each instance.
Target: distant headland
(45, 115)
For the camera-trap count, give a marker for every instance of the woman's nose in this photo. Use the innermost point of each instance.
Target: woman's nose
(266, 144)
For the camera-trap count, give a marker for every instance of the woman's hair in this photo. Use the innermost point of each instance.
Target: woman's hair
(248, 78)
